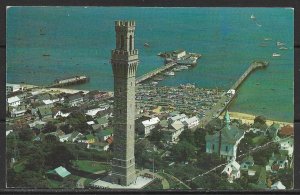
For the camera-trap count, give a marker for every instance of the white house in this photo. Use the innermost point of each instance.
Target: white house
(65, 138)
(16, 113)
(13, 101)
(148, 125)
(172, 134)
(287, 144)
(61, 114)
(12, 88)
(93, 112)
(278, 186)
(191, 122)
(277, 162)
(232, 170)
(50, 101)
(8, 132)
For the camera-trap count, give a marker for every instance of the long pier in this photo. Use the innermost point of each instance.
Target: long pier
(155, 72)
(225, 100)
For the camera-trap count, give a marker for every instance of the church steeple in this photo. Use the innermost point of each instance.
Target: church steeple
(227, 119)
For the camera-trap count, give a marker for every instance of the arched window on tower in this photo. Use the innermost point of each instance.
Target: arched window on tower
(130, 43)
(122, 42)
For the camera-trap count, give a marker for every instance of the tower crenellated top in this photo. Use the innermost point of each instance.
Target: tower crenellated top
(130, 23)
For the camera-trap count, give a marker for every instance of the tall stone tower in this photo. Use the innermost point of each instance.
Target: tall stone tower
(124, 64)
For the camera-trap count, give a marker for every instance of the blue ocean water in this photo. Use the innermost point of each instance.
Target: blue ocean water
(79, 40)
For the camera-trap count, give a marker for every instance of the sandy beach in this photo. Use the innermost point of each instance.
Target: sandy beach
(248, 118)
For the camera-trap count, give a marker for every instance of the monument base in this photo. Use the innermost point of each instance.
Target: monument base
(105, 183)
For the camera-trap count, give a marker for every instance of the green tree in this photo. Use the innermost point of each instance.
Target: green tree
(25, 135)
(183, 151)
(49, 127)
(199, 139)
(60, 155)
(51, 139)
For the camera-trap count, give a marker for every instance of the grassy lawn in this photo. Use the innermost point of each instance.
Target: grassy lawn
(53, 183)
(19, 167)
(155, 185)
(258, 140)
(90, 166)
(87, 182)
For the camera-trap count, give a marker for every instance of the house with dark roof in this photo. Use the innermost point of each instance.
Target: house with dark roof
(97, 95)
(74, 99)
(276, 162)
(103, 135)
(273, 130)
(44, 112)
(225, 141)
(247, 162)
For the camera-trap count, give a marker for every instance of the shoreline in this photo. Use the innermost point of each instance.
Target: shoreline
(246, 118)
(249, 118)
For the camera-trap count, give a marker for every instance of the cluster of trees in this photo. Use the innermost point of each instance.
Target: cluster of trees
(34, 159)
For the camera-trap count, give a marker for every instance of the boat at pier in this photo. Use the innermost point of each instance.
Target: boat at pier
(170, 73)
(276, 55)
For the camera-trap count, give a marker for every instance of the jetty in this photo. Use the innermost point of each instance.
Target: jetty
(69, 81)
(155, 72)
(227, 98)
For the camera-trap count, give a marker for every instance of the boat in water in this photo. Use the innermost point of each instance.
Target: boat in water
(182, 67)
(146, 45)
(283, 48)
(253, 17)
(267, 39)
(170, 73)
(46, 55)
(276, 55)
(158, 78)
(280, 43)
(154, 83)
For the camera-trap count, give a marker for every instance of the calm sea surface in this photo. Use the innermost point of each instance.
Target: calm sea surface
(78, 41)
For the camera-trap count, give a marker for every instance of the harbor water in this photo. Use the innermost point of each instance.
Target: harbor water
(48, 43)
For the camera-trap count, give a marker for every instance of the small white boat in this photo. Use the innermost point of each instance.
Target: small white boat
(154, 83)
(283, 48)
(276, 55)
(184, 67)
(170, 73)
(267, 39)
(252, 16)
(280, 43)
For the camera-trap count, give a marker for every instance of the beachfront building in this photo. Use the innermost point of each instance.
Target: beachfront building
(225, 141)
(74, 99)
(12, 88)
(13, 101)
